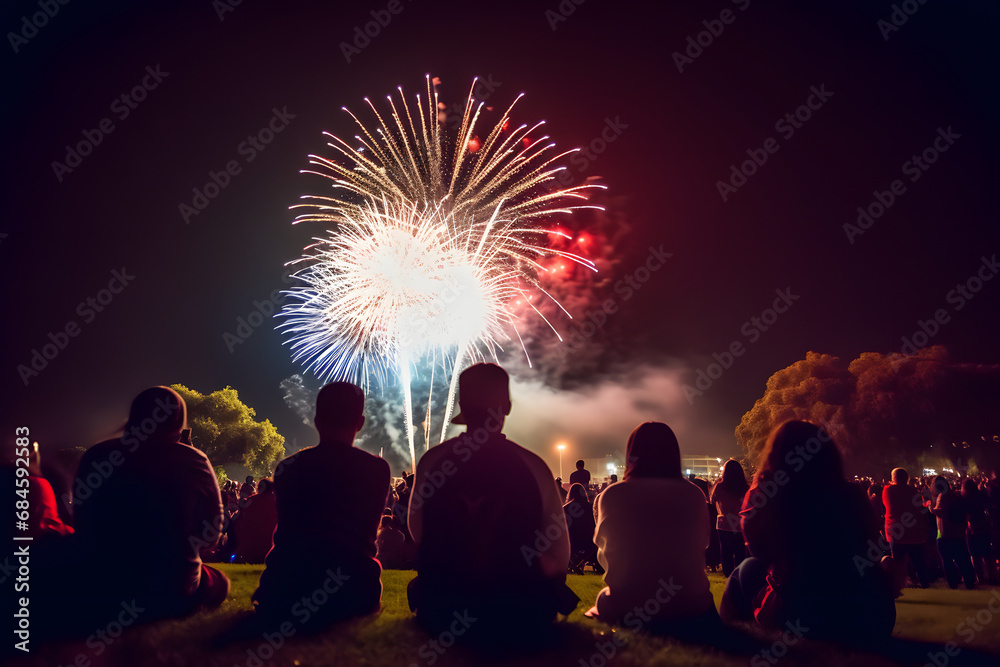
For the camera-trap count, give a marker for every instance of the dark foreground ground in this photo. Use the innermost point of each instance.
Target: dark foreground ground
(927, 619)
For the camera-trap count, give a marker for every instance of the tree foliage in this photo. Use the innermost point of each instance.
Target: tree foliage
(224, 428)
(885, 410)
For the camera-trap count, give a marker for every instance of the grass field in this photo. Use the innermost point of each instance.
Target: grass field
(392, 637)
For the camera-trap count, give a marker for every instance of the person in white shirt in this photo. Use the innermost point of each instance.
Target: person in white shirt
(652, 532)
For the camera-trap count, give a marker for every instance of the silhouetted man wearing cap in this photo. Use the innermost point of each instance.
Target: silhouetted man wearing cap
(492, 545)
(330, 497)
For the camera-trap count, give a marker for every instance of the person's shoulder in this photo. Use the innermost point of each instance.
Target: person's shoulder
(535, 461)
(371, 460)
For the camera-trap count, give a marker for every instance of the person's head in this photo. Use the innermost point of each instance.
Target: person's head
(483, 397)
(969, 488)
(265, 485)
(733, 478)
(652, 451)
(613, 478)
(805, 454)
(249, 479)
(340, 410)
(579, 464)
(940, 485)
(900, 476)
(559, 482)
(157, 413)
(577, 494)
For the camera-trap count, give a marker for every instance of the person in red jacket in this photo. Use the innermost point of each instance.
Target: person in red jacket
(905, 527)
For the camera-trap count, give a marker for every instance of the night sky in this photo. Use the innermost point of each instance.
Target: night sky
(881, 95)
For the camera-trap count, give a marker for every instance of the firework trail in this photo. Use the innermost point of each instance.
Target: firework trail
(436, 245)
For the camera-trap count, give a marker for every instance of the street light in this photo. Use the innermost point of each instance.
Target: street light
(560, 447)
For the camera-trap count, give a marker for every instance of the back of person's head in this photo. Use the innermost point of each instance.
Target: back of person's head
(900, 476)
(340, 408)
(577, 494)
(265, 485)
(733, 478)
(579, 464)
(805, 453)
(969, 488)
(483, 393)
(940, 484)
(249, 479)
(653, 452)
(159, 413)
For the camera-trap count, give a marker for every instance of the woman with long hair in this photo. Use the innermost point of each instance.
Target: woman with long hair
(727, 496)
(652, 531)
(809, 532)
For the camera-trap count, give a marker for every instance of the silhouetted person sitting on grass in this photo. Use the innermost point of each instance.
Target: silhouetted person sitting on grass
(144, 505)
(813, 568)
(652, 532)
(492, 544)
(322, 566)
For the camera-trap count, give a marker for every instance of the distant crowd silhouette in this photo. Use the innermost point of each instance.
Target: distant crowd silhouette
(492, 535)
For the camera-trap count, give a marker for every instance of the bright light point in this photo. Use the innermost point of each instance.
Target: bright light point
(561, 446)
(612, 467)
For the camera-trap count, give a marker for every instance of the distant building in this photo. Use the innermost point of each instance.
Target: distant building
(707, 467)
(600, 468)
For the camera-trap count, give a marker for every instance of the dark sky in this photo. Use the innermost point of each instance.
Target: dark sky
(884, 101)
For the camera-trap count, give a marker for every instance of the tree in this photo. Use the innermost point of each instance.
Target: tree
(224, 428)
(885, 410)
